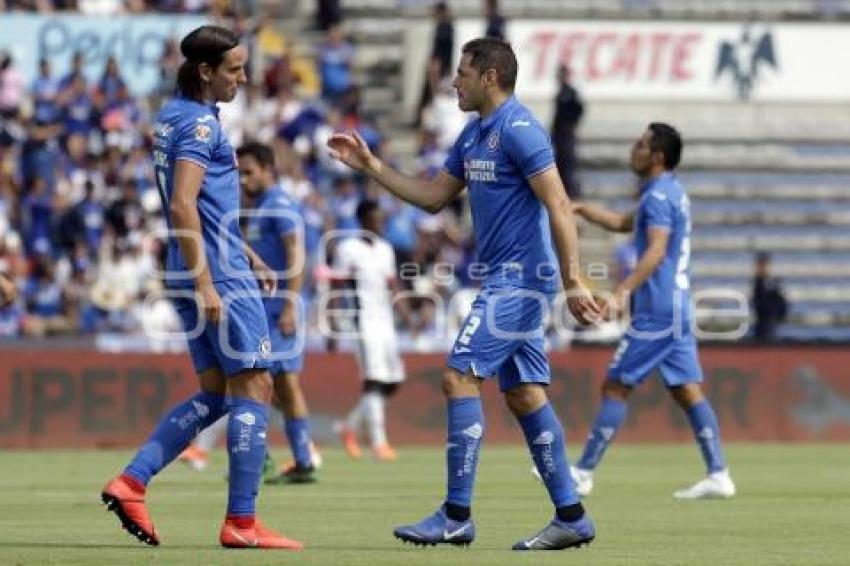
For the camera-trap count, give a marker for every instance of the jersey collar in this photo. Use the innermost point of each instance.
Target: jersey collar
(656, 180)
(498, 112)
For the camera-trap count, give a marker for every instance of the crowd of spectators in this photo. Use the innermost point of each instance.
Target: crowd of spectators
(80, 219)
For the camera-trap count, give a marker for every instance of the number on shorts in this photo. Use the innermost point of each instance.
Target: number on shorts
(469, 330)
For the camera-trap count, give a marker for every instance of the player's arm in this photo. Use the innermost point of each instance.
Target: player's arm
(608, 219)
(264, 274)
(656, 249)
(431, 196)
(294, 247)
(188, 179)
(549, 188)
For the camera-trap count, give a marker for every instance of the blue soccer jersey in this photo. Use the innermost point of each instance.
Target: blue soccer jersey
(186, 129)
(503, 334)
(494, 158)
(664, 296)
(275, 216)
(659, 335)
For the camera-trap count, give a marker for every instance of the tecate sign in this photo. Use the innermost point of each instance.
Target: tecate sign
(681, 60)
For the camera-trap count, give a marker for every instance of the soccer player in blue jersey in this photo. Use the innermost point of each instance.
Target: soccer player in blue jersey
(216, 294)
(659, 336)
(519, 207)
(275, 231)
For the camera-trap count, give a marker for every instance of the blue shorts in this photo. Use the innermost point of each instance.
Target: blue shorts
(503, 336)
(287, 349)
(674, 355)
(239, 341)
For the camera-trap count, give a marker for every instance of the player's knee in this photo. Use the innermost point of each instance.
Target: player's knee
(525, 399)
(457, 385)
(615, 390)
(253, 384)
(687, 395)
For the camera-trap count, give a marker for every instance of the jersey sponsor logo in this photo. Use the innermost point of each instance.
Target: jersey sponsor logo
(520, 123)
(206, 118)
(462, 350)
(483, 170)
(659, 195)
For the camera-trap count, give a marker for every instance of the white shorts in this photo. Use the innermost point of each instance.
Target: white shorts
(378, 355)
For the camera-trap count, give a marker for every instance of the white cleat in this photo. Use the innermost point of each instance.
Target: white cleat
(717, 485)
(582, 479)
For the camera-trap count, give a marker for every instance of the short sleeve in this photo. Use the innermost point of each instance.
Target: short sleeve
(389, 264)
(657, 210)
(343, 260)
(286, 221)
(196, 139)
(527, 145)
(454, 160)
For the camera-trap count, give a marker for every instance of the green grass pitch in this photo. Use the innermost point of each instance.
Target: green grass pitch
(793, 507)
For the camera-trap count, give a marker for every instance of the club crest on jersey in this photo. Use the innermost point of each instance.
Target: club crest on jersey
(493, 141)
(202, 133)
(265, 348)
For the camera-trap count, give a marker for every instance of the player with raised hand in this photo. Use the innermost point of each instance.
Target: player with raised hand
(659, 335)
(209, 270)
(505, 159)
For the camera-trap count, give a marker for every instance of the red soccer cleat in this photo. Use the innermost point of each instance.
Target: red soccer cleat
(124, 497)
(349, 441)
(235, 536)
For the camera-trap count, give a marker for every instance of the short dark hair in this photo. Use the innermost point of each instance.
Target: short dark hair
(667, 140)
(491, 53)
(206, 44)
(365, 208)
(262, 153)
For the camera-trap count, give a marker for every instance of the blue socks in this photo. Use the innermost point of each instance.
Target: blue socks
(465, 430)
(707, 434)
(608, 421)
(174, 433)
(246, 449)
(298, 433)
(545, 437)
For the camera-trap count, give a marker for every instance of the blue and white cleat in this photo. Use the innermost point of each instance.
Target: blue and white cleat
(559, 535)
(437, 529)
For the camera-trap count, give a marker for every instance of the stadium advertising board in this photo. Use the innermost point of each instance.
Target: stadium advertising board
(680, 60)
(71, 399)
(136, 42)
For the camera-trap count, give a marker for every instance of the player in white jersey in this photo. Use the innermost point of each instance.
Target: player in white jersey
(366, 263)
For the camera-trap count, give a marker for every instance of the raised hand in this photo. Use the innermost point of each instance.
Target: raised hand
(352, 150)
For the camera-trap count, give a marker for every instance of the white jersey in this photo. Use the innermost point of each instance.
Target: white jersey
(371, 266)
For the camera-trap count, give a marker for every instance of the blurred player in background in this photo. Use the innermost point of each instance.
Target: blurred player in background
(275, 231)
(220, 304)
(366, 265)
(505, 159)
(659, 335)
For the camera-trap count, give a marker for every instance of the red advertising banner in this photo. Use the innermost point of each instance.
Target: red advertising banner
(76, 399)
